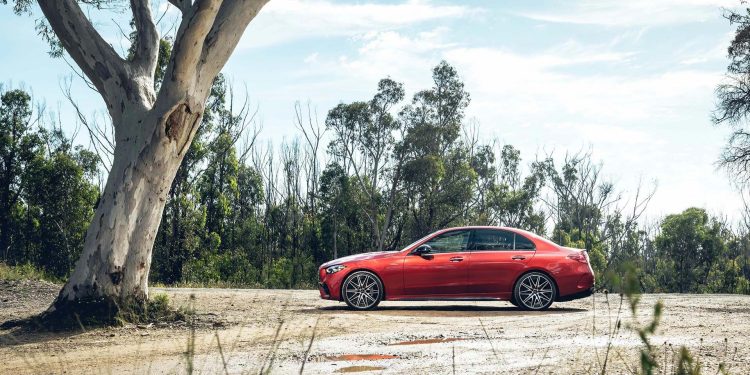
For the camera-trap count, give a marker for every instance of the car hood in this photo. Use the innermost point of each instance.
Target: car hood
(359, 257)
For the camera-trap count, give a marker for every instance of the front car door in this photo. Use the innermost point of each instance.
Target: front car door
(497, 258)
(442, 272)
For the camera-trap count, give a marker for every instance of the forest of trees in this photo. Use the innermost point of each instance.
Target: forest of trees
(373, 175)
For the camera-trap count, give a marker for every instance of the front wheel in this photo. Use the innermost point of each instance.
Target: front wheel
(534, 291)
(362, 290)
(513, 301)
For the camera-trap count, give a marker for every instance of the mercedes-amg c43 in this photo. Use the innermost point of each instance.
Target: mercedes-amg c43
(467, 263)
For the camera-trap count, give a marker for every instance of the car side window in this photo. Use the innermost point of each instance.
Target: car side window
(450, 242)
(492, 240)
(499, 240)
(523, 243)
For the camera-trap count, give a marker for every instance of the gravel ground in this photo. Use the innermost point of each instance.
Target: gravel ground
(293, 331)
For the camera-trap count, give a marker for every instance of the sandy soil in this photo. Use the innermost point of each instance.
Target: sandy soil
(293, 331)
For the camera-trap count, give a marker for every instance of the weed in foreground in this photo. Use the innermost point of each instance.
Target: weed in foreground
(684, 363)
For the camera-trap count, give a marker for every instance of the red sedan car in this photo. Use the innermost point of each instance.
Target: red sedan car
(468, 263)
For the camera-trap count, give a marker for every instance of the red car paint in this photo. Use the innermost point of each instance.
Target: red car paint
(468, 273)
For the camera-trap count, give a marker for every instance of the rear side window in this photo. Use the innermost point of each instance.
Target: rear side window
(450, 242)
(499, 240)
(492, 240)
(523, 243)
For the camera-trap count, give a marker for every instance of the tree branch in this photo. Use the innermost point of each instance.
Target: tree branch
(225, 33)
(194, 27)
(147, 38)
(85, 45)
(182, 5)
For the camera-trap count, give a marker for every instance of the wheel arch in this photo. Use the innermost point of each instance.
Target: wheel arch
(540, 270)
(357, 269)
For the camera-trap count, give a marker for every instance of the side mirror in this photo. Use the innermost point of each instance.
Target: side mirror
(422, 250)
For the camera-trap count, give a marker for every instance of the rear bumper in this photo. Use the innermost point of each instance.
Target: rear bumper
(579, 295)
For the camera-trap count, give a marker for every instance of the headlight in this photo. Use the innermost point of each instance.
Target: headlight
(334, 269)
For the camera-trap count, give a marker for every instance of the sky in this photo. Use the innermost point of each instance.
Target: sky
(631, 82)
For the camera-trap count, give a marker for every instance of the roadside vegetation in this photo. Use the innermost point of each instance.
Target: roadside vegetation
(374, 175)
(25, 271)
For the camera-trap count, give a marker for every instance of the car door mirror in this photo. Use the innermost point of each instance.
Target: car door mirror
(422, 250)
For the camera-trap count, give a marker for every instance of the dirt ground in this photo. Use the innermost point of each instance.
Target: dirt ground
(293, 331)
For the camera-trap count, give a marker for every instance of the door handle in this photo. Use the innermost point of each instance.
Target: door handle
(457, 259)
(518, 257)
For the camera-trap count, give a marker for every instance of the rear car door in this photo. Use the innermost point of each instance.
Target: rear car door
(497, 258)
(443, 272)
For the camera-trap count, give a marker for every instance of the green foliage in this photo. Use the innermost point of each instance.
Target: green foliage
(25, 271)
(686, 365)
(233, 269)
(47, 189)
(690, 242)
(156, 309)
(280, 273)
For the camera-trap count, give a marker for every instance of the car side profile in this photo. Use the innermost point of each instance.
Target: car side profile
(466, 263)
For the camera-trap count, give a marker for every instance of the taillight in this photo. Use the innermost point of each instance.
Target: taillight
(580, 257)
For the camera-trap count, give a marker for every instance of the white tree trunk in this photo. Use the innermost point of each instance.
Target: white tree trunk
(116, 256)
(153, 131)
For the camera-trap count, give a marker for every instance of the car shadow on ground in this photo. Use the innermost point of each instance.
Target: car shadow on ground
(443, 310)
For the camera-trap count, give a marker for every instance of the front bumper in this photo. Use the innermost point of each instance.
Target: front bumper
(325, 293)
(329, 285)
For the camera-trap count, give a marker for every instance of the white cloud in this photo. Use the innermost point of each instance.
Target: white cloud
(635, 12)
(598, 133)
(392, 53)
(528, 85)
(285, 20)
(312, 58)
(703, 55)
(548, 84)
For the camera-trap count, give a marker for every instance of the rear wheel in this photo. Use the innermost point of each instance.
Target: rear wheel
(534, 291)
(362, 290)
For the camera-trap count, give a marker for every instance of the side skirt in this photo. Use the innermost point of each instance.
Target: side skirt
(447, 299)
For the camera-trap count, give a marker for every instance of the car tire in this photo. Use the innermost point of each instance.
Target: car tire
(362, 290)
(512, 301)
(534, 291)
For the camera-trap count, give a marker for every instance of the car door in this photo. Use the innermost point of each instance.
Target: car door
(497, 258)
(443, 271)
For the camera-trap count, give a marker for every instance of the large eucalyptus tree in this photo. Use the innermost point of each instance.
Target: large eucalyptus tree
(153, 130)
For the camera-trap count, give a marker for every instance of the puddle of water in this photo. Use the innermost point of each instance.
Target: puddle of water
(428, 341)
(360, 369)
(360, 357)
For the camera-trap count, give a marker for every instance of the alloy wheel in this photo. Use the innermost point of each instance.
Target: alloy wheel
(362, 290)
(535, 291)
